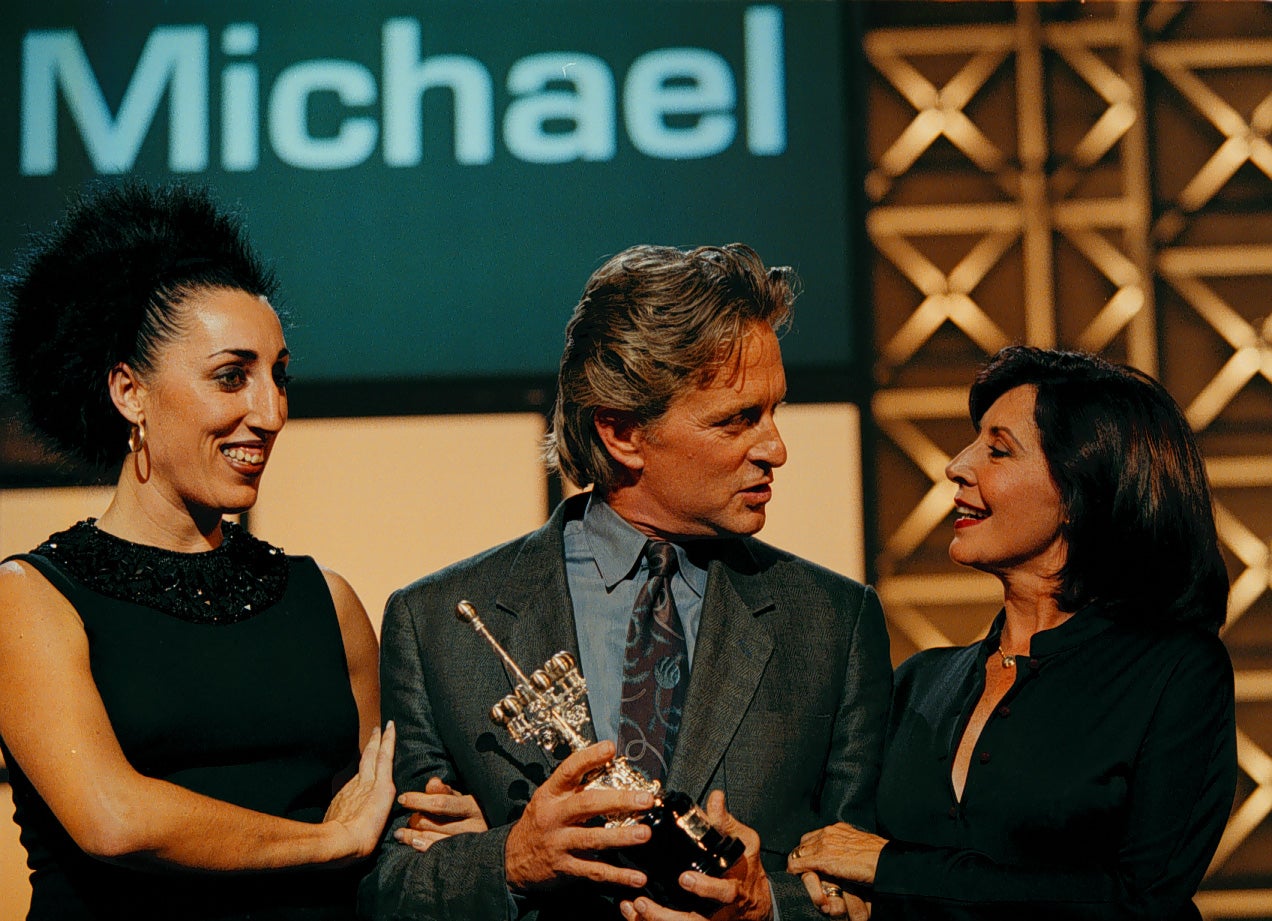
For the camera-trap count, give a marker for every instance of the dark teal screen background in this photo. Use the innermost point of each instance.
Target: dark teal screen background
(445, 270)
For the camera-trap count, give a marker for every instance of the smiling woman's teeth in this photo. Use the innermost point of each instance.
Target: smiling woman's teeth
(245, 455)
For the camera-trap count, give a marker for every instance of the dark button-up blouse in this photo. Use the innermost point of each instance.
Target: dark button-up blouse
(1098, 789)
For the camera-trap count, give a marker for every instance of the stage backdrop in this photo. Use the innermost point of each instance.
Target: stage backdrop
(436, 180)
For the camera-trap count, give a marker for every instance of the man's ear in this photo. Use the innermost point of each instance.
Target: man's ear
(622, 436)
(126, 392)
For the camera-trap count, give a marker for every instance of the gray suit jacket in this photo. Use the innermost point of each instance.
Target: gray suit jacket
(785, 712)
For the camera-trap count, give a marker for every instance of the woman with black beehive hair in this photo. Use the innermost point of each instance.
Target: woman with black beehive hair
(179, 700)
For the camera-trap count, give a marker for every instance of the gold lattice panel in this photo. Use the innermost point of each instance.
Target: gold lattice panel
(1096, 176)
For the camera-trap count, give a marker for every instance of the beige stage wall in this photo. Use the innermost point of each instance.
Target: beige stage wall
(385, 500)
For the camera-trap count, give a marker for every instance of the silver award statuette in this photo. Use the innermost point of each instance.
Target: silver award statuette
(548, 709)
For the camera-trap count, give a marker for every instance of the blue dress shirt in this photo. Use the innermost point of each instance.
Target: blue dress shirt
(605, 567)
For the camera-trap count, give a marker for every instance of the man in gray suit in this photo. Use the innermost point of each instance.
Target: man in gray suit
(778, 679)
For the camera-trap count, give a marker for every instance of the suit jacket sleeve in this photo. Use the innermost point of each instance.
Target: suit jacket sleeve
(461, 877)
(856, 754)
(856, 759)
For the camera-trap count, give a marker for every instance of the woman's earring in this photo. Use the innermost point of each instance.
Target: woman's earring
(137, 436)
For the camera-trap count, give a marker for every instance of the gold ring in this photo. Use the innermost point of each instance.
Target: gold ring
(798, 852)
(832, 891)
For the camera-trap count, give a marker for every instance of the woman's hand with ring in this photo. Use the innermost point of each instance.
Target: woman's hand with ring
(838, 851)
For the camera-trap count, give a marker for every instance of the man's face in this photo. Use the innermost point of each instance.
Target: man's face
(704, 468)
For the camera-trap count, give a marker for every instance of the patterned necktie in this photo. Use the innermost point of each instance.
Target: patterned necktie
(656, 670)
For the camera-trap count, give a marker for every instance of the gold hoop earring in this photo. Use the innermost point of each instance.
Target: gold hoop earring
(137, 437)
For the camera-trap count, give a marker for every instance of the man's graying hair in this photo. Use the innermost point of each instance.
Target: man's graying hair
(653, 322)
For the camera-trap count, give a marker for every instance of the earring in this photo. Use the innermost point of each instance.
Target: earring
(137, 436)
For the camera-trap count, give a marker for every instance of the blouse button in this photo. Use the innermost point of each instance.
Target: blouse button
(1033, 664)
(984, 758)
(1004, 711)
(953, 812)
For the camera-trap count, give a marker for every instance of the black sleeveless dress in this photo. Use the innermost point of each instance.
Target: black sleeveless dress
(223, 672)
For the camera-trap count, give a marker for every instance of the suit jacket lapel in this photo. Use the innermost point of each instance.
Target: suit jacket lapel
(536, 619)
(730, 657)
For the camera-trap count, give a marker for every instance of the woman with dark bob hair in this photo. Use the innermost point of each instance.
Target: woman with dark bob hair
(181, 704)
(1080, 761)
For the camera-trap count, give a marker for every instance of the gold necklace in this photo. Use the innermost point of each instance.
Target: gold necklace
(1008, 661)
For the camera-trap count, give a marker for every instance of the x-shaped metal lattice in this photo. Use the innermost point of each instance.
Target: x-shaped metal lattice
(1245, 140)
(1190, 271)
(1113, 235)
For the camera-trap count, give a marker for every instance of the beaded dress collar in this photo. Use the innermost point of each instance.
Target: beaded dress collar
(238, 580)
